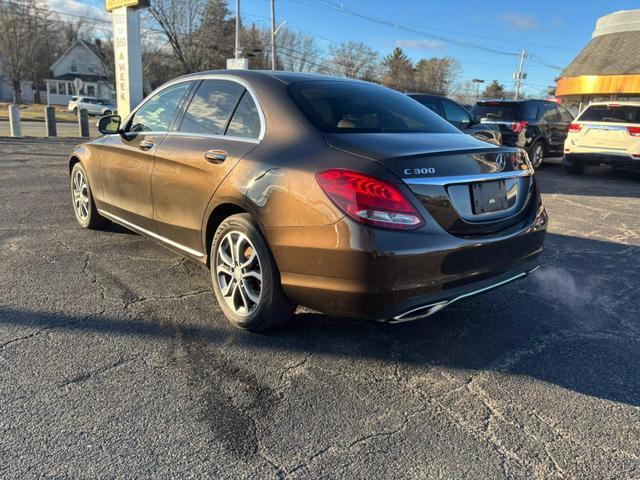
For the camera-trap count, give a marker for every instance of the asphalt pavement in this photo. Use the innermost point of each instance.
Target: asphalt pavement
(115, 361)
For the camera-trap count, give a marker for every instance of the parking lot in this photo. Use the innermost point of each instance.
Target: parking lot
(115, 360)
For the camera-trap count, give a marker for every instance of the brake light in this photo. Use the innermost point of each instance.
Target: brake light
(634, 131)
(517, 127)
(369, 200)
(575, 127)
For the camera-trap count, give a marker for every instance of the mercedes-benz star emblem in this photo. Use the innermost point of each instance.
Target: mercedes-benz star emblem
(500, 162)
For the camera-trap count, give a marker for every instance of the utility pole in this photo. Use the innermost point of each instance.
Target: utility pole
(519, 75)
(477, 81)
(237, 49)
(273, 34)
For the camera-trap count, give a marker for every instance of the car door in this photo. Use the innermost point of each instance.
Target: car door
(220, 125)
(126, 160)
(552, 125)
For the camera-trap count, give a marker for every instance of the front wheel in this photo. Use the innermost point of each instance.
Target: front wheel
(536, 154)
(83, 205)
(245, 278)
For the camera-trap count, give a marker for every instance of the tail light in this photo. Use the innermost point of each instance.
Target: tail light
(517, 127)
(369, 200)
(634, 131)
(574, 127)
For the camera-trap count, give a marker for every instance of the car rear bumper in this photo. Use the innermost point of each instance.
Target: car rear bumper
(349, 270)
(621, 160)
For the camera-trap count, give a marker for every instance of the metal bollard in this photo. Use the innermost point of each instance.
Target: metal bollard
(14, 121)
(83, 122)
(50, 122)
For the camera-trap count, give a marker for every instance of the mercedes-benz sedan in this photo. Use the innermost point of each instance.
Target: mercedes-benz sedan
(336, 194)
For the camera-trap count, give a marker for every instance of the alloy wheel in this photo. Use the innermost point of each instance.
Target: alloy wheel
(538, 156)
(81, 201)
(239, 273)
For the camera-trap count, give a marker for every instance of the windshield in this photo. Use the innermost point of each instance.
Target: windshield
(611, 113)
(350, 107)
(507, 111)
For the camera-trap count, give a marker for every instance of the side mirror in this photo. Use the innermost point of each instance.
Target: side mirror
(109, 124)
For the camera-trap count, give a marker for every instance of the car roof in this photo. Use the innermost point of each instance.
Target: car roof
(285, 77)
(616, 102)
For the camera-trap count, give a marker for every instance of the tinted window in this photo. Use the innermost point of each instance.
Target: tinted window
(350, 107)
(454, 112)
(432, 103)
(158, 112)
(607, 113)
(531, 111)
(211, 107)
(245, 121)
(550, 113)
(498, 111)
(565, 116)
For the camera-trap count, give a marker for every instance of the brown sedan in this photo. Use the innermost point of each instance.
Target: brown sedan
(340, 195)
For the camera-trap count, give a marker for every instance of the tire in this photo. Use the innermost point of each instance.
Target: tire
(106, 112)
(84, 207)
(574, 169)
(248, 303)
(536, 154)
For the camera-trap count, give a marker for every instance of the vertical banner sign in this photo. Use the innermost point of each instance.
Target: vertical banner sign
(128, 55)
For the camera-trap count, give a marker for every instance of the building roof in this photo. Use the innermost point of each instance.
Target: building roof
(611, 54)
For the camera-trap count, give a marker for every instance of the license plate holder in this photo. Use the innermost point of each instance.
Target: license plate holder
(489, 196)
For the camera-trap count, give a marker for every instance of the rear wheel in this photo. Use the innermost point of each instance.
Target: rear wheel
(83, 205)
(106, 112)
(536, 154)
(245, 278)
(574, 169)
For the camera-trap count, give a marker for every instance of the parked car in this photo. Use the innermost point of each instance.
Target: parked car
(340, 195)
(538, 126)
(459, 117)
(605, 133)
(93, 106)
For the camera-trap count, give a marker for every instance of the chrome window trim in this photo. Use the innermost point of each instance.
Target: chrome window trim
(215, 137)
(144, 231)
(483, 177)
(209, 76)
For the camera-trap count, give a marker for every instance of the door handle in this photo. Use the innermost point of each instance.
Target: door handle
(215, 156)
(146, 145)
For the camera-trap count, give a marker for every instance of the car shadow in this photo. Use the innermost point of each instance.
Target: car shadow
(571, 324)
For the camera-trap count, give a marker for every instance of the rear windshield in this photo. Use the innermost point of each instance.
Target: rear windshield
(613, 114)
(506, 111)
(349, 107)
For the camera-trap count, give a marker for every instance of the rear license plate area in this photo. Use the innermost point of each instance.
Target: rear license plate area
(487, 197)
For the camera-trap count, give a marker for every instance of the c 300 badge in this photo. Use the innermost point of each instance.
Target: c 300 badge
(419, 171)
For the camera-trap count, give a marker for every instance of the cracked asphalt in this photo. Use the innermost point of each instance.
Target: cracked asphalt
(115, 361)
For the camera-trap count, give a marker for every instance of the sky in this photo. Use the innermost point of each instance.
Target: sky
(485, 37)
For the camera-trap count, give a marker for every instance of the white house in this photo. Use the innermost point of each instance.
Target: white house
(6, 89)
(79, 61)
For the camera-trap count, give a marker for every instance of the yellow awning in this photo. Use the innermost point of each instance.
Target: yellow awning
(598, 84)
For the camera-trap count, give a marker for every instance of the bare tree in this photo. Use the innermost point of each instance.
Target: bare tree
(21, 23)
(435, 75)
(355, 60)
(296, 51)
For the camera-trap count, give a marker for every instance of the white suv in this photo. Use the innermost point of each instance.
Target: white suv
(605, 133)
(93, 106)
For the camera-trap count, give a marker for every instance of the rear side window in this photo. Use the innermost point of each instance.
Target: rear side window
(455, 113)
(353, 107)
(613, 114)
(434, 104)
(211, 107)
(499, 111)
(565, 116)
(245, 121)
(550, 113)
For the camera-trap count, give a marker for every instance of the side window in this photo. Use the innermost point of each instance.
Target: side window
(551, 113)
(432, 104)
(455, 113)
(531, 111)
(158, 112)
(211, 107)
(565, 116)
(246, 121)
